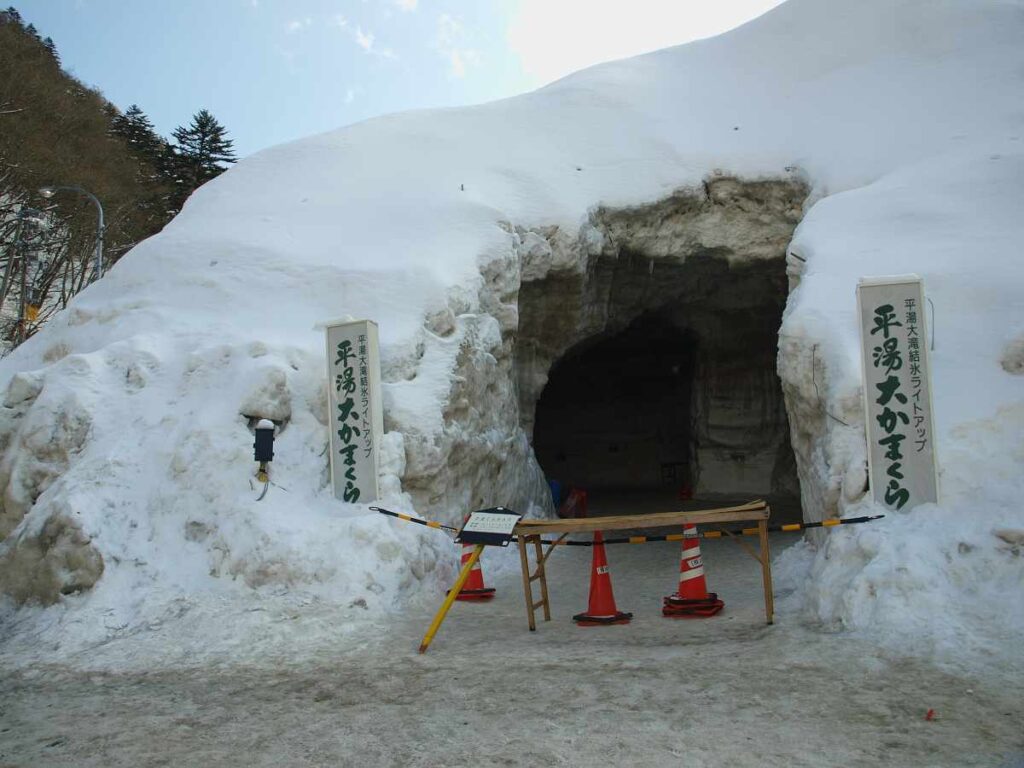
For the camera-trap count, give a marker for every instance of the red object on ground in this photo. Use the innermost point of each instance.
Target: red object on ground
(575, 504)
(581, 507)
(685, 492)
(601, 605)
(474, 588)
(692, 599)
(930, 715)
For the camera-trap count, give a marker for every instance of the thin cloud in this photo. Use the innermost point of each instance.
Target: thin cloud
(297, 25)
(364, 39)
(457, 64)
(448, 29)
(368, 42)
(407, 5)
(538, 30)
(450, 34)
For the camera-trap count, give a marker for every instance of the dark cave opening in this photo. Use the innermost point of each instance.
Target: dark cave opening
(679, 408)
(616, 412)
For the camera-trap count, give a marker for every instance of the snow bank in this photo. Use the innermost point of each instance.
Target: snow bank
(126, 466)
(937, 577)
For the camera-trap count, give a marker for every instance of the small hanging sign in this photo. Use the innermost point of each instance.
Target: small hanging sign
(489, 526)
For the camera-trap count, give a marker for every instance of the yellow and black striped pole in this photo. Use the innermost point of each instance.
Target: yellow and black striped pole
(452, 594)
(788, 528)
(411, 519)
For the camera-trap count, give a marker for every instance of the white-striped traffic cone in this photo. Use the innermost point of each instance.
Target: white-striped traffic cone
(692, 599)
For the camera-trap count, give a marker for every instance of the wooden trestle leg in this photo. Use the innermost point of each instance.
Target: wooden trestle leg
(528, 579)
(541, 575)
(527, 589)
(766, 572)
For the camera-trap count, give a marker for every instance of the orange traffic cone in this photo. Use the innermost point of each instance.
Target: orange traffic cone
(601, 608)
(474, 588)
(575, 504)
(692, 600)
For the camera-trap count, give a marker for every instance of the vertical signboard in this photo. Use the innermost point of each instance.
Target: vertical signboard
(355, 418)
(897, 391)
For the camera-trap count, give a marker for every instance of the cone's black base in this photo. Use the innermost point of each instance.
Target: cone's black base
(586, 620)
(677, 600)
(682, 608)
(475, 594)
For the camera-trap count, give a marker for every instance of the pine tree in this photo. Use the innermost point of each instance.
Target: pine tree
(150, 152)
(140, 135)
(51, 46)
(200, 151)
(56, 129)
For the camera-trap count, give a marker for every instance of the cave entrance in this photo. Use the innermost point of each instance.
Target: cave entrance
(677, 406)
(617, 412)
(645, 354)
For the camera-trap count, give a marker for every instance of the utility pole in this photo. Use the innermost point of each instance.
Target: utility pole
(49, 192)
(24, 215)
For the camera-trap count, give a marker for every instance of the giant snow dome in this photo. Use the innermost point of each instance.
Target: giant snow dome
(701, 215)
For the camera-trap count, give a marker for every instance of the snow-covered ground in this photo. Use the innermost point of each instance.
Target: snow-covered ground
(127, 502)
(300, 685)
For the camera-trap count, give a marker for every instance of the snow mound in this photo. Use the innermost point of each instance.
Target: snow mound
(125, 427)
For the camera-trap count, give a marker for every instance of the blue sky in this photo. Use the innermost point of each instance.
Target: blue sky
(273, 70)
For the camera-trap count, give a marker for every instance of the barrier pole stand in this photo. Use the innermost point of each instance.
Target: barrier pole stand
(452, 594)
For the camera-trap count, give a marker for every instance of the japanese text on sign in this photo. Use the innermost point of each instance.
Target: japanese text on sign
(490, 527)
(897, 394)
(356, 418)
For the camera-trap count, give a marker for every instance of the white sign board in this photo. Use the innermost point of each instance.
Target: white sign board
(489, 526)
(491, 523)
(897, 391)
(355, 417)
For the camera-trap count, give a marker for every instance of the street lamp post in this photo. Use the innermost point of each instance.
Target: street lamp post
(49, 192)
(25, 215)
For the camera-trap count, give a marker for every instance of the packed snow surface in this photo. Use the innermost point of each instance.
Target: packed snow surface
(127, 470)
(289, 681)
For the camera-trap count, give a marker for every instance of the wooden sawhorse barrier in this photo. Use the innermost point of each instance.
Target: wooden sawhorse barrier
(529, 533)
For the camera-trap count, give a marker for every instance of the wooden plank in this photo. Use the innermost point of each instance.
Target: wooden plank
(754, 511)
(739, 540)
(766, 573)
(539, 553)
(552, 545)
(527, 589)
